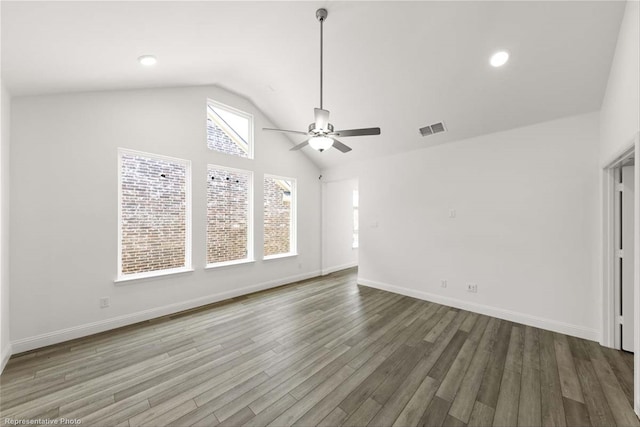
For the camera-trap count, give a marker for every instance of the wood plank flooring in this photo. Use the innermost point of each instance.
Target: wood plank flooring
(323, 352)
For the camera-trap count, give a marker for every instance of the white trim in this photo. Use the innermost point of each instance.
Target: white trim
(323, 224)
(355, 195)
(621, 155)
(188, 215)
(608, 247)
(152, 274)
(610, 336)
(636, 278)
(500, 313)
(329, 270)
(5, 356)
(293, 217)
(250, 242)
(152, 155)
(229, 263)
(30, 343)
(279, 256)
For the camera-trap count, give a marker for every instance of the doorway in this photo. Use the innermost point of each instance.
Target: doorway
(340, 229)
(621, 260)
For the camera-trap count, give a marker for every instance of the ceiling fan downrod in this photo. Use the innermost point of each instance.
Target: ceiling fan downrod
(321, 15)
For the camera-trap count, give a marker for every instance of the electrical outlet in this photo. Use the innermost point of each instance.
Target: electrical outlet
(452, 213)
(299, 265)
(472, 287)
(104, 302)
(443, 283)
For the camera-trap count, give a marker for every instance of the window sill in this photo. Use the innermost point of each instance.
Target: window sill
(278, 256)
(229, 263)
(152, 274)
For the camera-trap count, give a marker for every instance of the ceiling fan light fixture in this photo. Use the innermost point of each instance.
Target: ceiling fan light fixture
(320, 143)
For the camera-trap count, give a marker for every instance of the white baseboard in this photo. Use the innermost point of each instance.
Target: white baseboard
(500, 313)
(30, 343)
(329, 270)
(4, 357)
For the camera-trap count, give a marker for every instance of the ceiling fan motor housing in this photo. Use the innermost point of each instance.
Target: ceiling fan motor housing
(313, 130)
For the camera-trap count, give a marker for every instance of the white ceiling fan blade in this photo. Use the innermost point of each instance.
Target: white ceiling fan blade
(322, 118)
(340, 146)
(299, 146)
(286, 131)
(357, 132)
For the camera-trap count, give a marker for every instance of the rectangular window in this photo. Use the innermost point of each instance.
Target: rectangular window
(229, 224)
(279, 216)
(355, 219)
(229, 130)
(154, 221)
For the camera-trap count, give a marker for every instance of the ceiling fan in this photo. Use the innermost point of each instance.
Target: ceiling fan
(321, 133)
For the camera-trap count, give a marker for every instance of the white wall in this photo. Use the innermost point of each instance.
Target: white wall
(64, 209)
(525, 230)
(337, 225)
(5, 113)
(620, 113)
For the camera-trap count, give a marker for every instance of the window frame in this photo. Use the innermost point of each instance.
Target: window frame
(188, 266)
(248, 116)
(293, 222)
(250, 241)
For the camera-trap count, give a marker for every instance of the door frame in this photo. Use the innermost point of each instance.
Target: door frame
(608, 256)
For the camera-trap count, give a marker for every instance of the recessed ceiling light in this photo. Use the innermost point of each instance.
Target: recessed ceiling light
(147, 60)
(498, 59)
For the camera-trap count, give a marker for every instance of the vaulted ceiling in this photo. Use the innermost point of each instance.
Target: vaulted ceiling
(397, 65)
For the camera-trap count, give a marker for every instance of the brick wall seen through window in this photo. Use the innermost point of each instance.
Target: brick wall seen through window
(228, 215)
(279, 196)
(153, 213)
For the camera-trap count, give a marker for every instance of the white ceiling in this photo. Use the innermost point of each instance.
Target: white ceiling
(397, 65)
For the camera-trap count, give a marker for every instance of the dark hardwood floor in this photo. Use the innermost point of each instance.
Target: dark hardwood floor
(323, 352)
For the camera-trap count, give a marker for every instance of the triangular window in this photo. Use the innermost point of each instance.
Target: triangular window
(229, 131)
